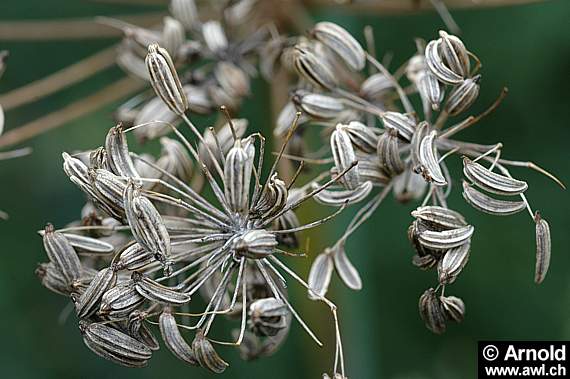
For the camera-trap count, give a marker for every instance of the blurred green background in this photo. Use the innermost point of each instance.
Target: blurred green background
(526, 48)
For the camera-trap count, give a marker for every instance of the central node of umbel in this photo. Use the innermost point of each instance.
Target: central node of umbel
(255, 244)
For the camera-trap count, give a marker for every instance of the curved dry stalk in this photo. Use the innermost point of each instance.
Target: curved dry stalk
(69, 29)
(59, 80)
(387, 7)
(106, 95)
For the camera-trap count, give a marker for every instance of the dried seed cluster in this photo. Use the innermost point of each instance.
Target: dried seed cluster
(201, 219)
(149, 241)
(368, 120)
(217, 59)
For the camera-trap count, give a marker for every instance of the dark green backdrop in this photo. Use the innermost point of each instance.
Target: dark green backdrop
(526, 48)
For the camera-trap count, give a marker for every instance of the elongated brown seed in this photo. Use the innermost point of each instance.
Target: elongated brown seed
(164, 79)
(205, 354)
(320, 275)
(431, 171)
(431, 311)
(452, 263)
(345, 269)
(173, 339)
(446, 239)
(389, 154)
(146, 223)
(439, 218)
(342, 43)
(455, 54)
(154, 291)
(463, 96)
(118, 302)
(237, 175)
(344, 156)
(62, 255)
(313, 68)
(114, 345)
(487, 204)
(89, 301)
(342, 197)
(490, 181)
(543, 248)
(453, 307)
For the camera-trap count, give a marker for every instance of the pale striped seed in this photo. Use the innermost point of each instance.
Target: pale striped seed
(363, 137)
(463, 96)
(376, 86)
(164, 79)
(206, 355)
(175, 159)
(268, 316)
(339, 198)
(405, 124)
(286, 118)
(98, 158)
(156, 115)
(318, 106)
(452, 263)
(439, 218)
(430, 89)
(118, 302)
(389, 154)
(455, 54)
(198, 99)
(237, 175)
(447, 239)
(173, 35)
(186, 12)
(342, 43)
(320, 275)
(88, 302)
(435, 63)
(344, 156)
(114, 345)
(134, 257)
(108, 190)
(453, 307)
(146, 224)
(369, 170)
(156, 292)
(490, 181)
(432, 312)
(345, 269)
(62, 255)
(408, 186)
(118, 156)
(225, 140)
(84, 244)
(232, 79)
(255, 244)
(214, 36)
(272, 199)
(543, 248)
(173, 339)
(430, 169)
(487, 204)
(313, 68)
(138, 329)
(424, 262)
(422, 131)
(74, 167)
(51, 278)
